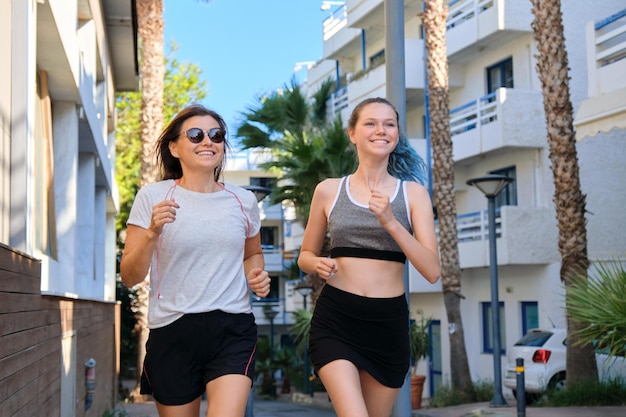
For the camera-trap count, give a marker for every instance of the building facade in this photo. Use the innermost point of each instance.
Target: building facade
(61, 64)
(498, 126)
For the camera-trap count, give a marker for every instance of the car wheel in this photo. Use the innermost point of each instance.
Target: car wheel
(557, 383)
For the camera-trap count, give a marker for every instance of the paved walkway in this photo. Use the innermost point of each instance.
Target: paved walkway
(266, 408)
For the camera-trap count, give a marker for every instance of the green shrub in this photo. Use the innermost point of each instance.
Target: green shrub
(445, 396)
(585, 393)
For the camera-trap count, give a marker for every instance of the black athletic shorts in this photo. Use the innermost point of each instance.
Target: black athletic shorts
(372, 333)
(182, 357)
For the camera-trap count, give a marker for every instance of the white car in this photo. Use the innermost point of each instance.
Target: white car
(543, 351)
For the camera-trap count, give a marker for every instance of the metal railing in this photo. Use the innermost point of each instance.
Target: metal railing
(461, 11)
(610, 39)
(474, 114)
(474, 226)
(335, 22)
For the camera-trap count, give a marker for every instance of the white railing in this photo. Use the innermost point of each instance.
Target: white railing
(474, 114)
(339, 101)
(474, 226)
(610, 39)
(460, 11)
(337, 20)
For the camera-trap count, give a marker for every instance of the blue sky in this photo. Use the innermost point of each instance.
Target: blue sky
(244, 47)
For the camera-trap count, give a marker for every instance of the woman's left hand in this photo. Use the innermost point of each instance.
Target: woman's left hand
(259, 282)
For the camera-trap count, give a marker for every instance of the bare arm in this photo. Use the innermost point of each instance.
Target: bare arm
(141, 243)
(309, 260)
(253, 265)
(421, 248)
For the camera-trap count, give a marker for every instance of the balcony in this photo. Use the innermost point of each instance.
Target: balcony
(340, 40)
(369, 14)
(525, 236)
(273, 257)
(372, 82)
(606, 65)
(484, 23)
(505, 118)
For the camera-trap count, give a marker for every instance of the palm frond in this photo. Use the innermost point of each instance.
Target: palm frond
(598, 304)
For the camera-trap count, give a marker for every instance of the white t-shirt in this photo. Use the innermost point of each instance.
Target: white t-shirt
(197, 265)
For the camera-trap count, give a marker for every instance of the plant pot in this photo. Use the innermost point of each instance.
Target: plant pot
(417, 387)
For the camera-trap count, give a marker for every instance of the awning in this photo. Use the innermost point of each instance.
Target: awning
(601, 114)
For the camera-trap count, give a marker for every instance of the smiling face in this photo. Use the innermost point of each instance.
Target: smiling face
(376, 129)
(206, 155)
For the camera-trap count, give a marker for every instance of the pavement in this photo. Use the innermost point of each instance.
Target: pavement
(320, 401)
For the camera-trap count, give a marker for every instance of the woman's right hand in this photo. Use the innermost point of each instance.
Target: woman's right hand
(162, 213)
(325, 267)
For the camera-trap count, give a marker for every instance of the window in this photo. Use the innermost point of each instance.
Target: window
(377, 59)
(45, 226)
(500, 75)
(267, 182)
(269, 236)
(508, 196)
(487, 318)
(530, 316)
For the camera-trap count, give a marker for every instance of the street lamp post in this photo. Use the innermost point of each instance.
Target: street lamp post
(259, 192)
(270, 314)
(491, 185)
(305, 290)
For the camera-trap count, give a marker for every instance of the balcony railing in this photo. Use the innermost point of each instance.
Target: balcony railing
(474, 226)
(461, 11)
(474, 114)
(610, 39)
(335, 22)
(506, 118)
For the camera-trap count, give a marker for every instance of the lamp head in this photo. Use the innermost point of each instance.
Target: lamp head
(491, 185)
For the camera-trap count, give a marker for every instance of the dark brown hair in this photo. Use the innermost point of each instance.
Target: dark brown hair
(169, 166)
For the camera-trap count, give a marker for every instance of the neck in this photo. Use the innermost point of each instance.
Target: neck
(199, 185)
(373, 178)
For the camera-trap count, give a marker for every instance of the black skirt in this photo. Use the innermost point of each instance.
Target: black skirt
(372, 333)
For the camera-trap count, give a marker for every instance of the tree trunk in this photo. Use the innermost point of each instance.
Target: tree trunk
(552, 68)
(152, 69)
(434, 20)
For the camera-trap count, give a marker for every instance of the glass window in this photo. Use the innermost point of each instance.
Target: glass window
(500, 75)
(530, 316)
(508, 196)
(488, 326)
(267, 182)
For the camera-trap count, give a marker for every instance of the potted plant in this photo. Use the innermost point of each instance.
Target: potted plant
(420, 344)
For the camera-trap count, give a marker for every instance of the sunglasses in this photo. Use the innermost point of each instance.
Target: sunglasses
(196, 135)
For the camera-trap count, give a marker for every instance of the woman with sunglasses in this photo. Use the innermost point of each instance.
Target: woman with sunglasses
(376, 218)
(199, 240)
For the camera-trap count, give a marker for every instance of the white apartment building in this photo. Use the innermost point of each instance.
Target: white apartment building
(498, 126)
(242, 169)
(61, 64)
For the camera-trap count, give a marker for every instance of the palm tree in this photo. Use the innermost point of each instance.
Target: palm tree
(150, 28)
(552, 67)
(434, 21)
(598, 303)
(307, 149)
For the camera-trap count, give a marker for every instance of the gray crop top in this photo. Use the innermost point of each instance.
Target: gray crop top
(355, 231)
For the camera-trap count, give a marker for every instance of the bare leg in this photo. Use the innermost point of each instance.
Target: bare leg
(342, 382)
(191, 409)
(227, 396)
(379, 398)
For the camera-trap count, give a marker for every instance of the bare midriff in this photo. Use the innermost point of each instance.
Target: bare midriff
(368, 277)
